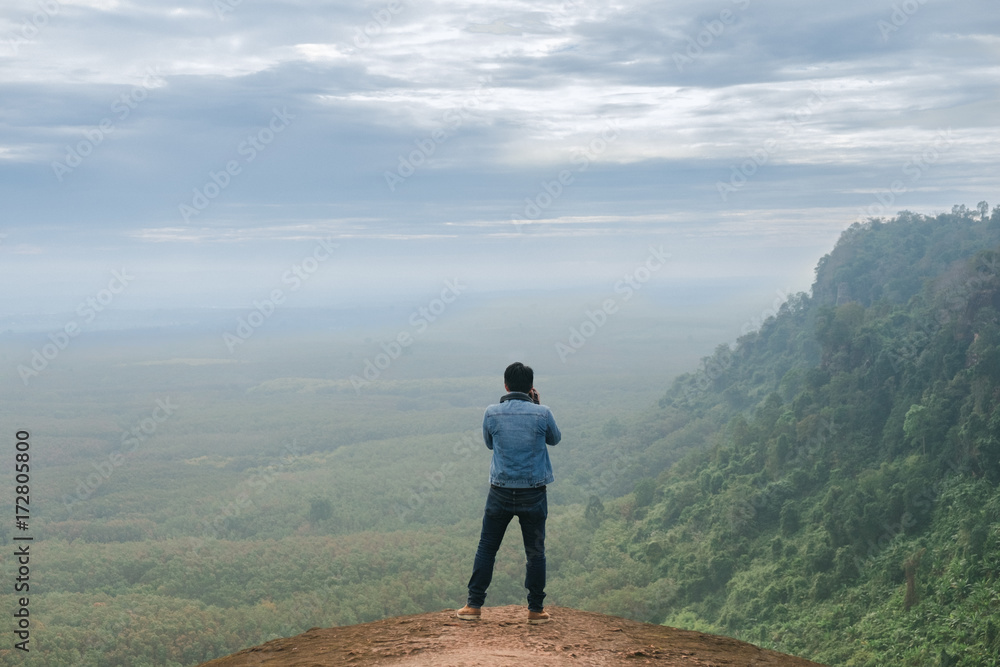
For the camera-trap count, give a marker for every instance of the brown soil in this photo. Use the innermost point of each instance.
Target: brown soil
(503, 638)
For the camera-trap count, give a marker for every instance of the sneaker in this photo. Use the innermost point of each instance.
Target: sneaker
(468, 613)
(536, 617)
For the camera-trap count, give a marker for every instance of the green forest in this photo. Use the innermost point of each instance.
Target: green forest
(844, 507)
(826, 486)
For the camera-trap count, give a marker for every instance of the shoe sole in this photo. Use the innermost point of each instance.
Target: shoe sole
(538, 621)
(469, 617)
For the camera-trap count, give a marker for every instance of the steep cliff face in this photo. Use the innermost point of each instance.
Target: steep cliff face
(842, 487)
(502, 638)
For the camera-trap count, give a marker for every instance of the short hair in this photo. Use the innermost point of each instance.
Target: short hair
(519, 377)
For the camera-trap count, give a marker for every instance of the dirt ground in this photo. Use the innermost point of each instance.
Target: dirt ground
(502, 638)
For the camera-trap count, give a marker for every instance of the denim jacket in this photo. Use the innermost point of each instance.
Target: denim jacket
(517, 430)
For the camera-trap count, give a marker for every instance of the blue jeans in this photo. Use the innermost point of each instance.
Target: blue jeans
(531, 508)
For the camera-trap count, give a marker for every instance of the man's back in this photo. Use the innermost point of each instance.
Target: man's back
(518, 430)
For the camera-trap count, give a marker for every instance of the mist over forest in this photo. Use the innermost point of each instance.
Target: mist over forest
(826, 460)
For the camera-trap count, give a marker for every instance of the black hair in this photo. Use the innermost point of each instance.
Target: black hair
(519, 377)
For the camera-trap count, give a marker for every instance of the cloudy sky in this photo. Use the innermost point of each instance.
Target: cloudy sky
(207, 146)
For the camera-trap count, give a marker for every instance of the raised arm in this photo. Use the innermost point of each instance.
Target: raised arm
(487, 436)
(552, 433)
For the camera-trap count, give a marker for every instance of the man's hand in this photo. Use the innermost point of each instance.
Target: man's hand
(533, 393)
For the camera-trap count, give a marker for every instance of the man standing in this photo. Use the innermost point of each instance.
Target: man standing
(517, 429)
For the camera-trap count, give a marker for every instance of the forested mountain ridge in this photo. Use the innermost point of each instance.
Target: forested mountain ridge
(843, 505)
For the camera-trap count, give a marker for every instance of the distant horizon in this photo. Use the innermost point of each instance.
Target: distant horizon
(209, 149)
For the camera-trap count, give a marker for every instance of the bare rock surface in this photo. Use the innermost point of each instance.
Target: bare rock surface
(503, 638)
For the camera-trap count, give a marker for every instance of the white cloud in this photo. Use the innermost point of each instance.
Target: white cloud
(535, 86)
